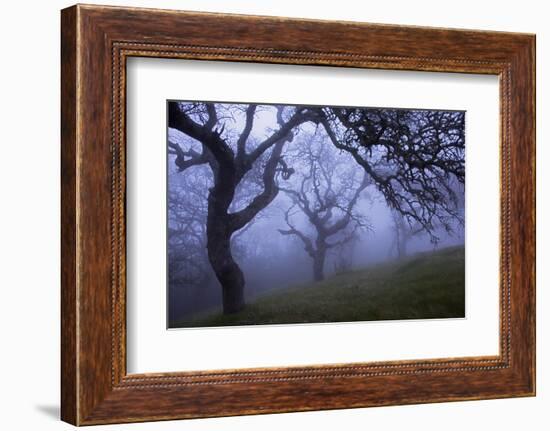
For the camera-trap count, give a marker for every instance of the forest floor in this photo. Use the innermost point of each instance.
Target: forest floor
(422, 286)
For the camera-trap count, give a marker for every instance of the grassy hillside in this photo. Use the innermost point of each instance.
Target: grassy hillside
(426, 285)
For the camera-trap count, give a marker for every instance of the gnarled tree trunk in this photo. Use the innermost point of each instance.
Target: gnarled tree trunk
(318, 265)
(226, 269)
(219, 229)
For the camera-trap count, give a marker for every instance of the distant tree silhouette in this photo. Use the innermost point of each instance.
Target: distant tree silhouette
(403, 233)
(326, 193)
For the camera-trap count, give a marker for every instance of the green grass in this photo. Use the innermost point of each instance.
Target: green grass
(422, 286)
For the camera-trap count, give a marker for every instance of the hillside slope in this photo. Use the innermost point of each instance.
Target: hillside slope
(422, 286)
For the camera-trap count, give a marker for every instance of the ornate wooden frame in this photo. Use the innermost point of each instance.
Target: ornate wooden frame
(95, 42)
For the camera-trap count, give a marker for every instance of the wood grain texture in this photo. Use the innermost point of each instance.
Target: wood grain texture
(96, 41)
(69, 397)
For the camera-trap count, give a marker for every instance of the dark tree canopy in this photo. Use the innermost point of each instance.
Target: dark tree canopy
(415, 158)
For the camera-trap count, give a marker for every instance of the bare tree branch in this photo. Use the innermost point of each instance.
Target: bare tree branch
(241, 142)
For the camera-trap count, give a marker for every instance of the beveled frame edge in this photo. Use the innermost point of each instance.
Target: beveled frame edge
(95, 387)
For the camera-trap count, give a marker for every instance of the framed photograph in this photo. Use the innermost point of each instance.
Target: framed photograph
(264, 215)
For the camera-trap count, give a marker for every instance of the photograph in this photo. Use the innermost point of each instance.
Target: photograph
(293, 214)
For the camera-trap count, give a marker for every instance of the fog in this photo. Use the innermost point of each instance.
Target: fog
(272, 249)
